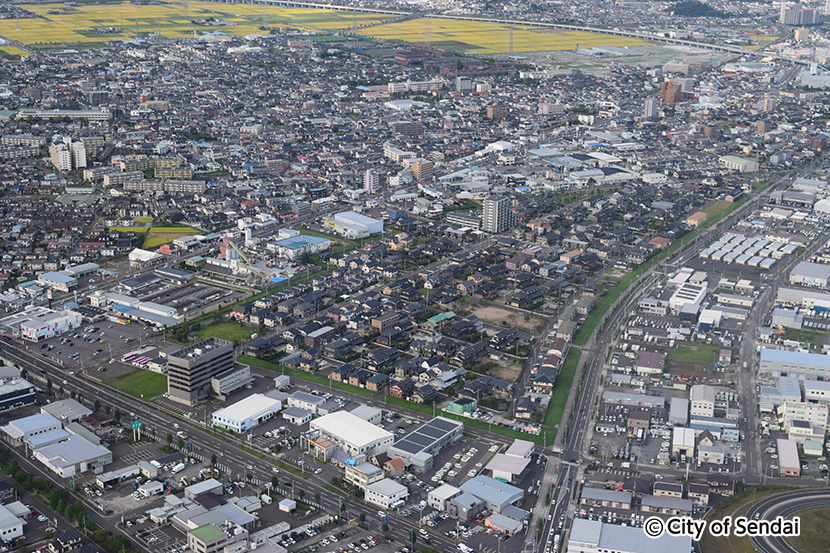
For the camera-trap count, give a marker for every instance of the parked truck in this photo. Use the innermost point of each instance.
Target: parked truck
(178, 468)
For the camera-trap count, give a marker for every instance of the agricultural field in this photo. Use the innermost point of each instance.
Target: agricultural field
(492, 38)
(164, 235)
(62, 24)
(13, 51)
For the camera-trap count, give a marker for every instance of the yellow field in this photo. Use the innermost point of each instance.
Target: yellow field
(14, 51)
(77, 24)
(493, 38)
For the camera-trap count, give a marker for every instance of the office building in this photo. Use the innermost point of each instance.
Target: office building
(386, 494)
(370, 181)
(16, 392)
(190, 369)
(650, 110)
(11, 527)
(702, 399)
(497, 216)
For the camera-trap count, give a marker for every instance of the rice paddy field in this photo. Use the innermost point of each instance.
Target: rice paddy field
(94, 23)
(492, 38)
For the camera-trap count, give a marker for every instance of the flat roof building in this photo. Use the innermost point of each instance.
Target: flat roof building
(495, 494)
(807, 273)
(419, 448)
(247, 413)
(73, 456)
(353, 434)
(804, 366)
(354, 225)
(592, 536)
(788, 458)
(190, 369)
(507, 468)
(438, 497)
(386, 493)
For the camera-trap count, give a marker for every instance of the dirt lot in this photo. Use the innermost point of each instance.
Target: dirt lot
(496, 315)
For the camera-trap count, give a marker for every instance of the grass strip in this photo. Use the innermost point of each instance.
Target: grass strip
(309, 377)
(563, 387)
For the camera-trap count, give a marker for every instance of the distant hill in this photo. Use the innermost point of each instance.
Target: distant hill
(696, 9)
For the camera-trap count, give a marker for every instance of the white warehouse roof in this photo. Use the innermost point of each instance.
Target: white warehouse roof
(249, 407)
(349, 428)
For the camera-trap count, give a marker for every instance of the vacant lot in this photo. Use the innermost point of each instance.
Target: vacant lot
(506, 318)
(492, 38)
(164, 235)
(140, 383)
(696, 357)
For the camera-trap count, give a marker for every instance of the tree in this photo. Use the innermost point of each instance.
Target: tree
(213, 461)
(61, 506)
(117, 416)
(60, 390)
(49, 385)
(72, 394)
(275, 482)
(181, 443)
(413, 537)
(107, 409)
(97, 404)
(342, 507)
(301, 494)
(169, 439)
(24, 373)
(317, 498)
(362, 518)
(385, 527)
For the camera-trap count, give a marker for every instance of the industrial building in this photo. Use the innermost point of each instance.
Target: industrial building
(593, 536)
(62, 282)
(352, 434)
(507, 468)
(11, 527)
(419, 448)
(494, 494)
(190, 369)
(231, 380)
(797, 364)
(294, 247)
(439, 497)
(810, 274)
(73, 456)
(679, 411)
(702, 399)
(16, 392)
(354, 225)
(685, 294)
(247, 413)
(788, 458)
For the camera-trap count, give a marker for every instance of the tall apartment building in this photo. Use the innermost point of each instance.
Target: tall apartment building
(827, 7)
(496, 112)
(464, 84)
(61, 157)
(796, 14)
(371, 180)
(670, 93)
(650, 110)
(407, 128)
(497, 216)
(190, 369)
(78, 155)
(422, 169)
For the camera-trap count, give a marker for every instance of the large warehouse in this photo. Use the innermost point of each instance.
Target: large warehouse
(592, 536)
(354, 225)
(353, 434)
(247, 413)
(805, 366)
(419, 448)
(810, 274)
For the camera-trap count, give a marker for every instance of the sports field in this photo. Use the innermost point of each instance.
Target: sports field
(492, 38)
(62, 24)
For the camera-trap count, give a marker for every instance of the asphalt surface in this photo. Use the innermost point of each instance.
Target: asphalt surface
(784, 505)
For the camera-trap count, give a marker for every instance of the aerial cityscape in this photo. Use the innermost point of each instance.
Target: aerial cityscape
(414, 276)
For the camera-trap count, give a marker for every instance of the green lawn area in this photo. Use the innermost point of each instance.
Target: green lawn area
(182, 230)
(427, 410)
(315, 378)
(143, 220)
(226, 331)
(801, 335)
(140, 383)
(715, 208)
(563, 387)
(321, 235)
(129, 229)
(814, 537)
(468, 205)
(693, 354)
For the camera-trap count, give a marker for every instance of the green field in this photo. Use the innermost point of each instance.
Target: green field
(427, 410)
(155, 241)
(563, 388)
(140, 383)
(814, 536)
(314, 378)
(143, 220)
(226, 331)
(141, 230)
(801, 335)
(174, 230)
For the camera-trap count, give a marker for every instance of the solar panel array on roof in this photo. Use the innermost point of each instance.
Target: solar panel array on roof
(426, 435)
